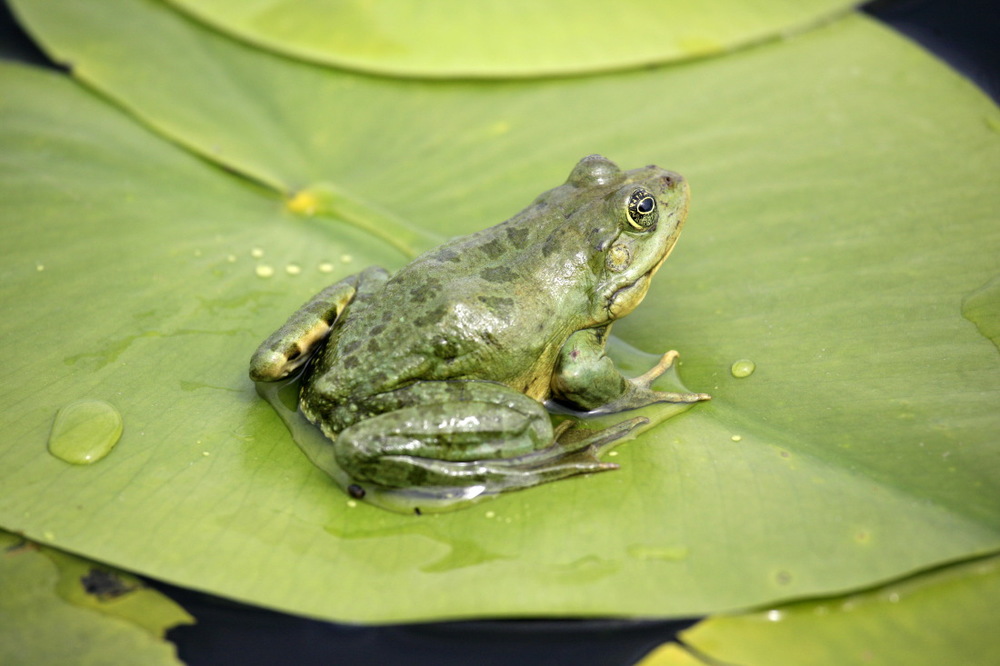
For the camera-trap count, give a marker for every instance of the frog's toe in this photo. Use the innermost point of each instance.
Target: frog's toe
(268, 365)
(682, 398)
(666, 361)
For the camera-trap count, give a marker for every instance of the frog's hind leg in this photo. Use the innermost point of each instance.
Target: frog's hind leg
(290, 346)
(462, 433)
(566, 456)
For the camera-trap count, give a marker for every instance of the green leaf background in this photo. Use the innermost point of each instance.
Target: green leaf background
(843, 236)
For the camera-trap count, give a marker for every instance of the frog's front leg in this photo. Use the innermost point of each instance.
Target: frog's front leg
(586, 378)
(291, 345)
(450, 434)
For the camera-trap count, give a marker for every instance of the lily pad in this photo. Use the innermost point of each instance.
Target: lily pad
(844, 210)
(504, 38)
(940, 617)
(57, 608)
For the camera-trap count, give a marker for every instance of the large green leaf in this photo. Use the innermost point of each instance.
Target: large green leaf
(941, 617)
(844, 219)
(491, 38)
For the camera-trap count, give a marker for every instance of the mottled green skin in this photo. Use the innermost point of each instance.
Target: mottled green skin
(434, 376)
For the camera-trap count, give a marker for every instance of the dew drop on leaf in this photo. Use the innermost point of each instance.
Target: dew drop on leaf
(85, 431)
(743, 368)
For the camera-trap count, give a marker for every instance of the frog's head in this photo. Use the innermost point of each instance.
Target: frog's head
(632, 220)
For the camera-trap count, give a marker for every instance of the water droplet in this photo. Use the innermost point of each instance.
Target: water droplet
(231, 258)
(39, 267)
(490, 514)
(346, 258)
(85, 431)
(264, 271)
(743, 368)
(736, 438)
(326, 267)
(774, 615)
(293, 269)
(256, 253)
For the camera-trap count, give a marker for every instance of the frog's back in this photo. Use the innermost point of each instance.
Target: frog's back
(493, 305)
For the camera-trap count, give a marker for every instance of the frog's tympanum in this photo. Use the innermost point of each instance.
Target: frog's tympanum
(434, 378)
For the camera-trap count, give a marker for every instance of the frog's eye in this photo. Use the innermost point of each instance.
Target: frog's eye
(642, 210)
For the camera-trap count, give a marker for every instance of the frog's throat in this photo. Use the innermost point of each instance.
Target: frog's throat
(652, 271)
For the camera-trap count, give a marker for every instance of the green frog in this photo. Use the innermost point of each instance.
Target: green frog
(436, 378)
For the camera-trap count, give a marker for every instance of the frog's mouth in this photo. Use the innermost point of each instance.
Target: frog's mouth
(626, 298)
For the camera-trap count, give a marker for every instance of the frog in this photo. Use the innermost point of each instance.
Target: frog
(443, 376)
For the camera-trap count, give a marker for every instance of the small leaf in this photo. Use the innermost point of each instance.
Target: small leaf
(49, 617)
(941, 617)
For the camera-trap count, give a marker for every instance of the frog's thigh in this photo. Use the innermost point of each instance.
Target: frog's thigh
(291, 345)
(442, 433)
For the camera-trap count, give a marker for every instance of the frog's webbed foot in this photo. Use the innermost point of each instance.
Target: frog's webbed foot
(582, 447)
(641, 394)
(587, 379)
(666, 362)
(575, 449)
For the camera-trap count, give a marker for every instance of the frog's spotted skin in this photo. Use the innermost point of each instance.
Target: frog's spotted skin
(434, 377)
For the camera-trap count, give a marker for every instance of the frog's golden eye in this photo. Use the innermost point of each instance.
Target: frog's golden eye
(642, 210)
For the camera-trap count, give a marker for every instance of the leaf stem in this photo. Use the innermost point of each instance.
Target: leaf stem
(329, 200)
